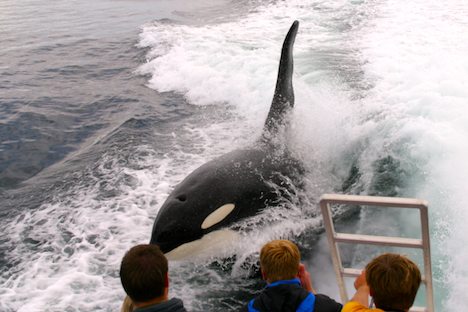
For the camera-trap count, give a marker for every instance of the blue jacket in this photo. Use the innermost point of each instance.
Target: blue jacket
(289, 296)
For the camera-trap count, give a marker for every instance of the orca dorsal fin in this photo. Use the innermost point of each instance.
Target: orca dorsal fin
(283, 99)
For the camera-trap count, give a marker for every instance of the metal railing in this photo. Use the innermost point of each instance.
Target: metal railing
(372, 201)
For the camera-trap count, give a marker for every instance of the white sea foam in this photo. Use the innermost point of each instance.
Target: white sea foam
(75, 244)
(418, 62)
(236, 63)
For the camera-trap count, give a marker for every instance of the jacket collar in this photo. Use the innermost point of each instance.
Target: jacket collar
(285, 282)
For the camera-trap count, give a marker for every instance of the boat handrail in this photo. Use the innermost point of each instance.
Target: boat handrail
(375, 201)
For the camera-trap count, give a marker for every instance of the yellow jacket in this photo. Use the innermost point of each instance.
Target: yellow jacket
(354, 306)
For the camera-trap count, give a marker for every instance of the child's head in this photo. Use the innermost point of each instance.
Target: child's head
(393, 281)
(143, 273)
(280, 260)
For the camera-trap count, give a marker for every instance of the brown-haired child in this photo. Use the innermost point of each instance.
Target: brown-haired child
(392, 280)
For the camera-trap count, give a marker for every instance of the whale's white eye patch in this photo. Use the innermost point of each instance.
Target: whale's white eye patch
(218, 215)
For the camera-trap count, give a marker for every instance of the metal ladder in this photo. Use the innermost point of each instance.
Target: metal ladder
(390, 202)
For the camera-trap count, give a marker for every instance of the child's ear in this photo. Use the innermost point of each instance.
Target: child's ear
(166, 280)
(300, 270)
(264, 276)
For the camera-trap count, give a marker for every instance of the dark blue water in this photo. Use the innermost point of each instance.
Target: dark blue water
(67, 82)
(66, 78)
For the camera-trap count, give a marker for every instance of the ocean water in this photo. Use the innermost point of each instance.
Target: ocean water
(106, 105)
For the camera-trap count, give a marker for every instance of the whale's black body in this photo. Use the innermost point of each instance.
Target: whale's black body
(237, 184)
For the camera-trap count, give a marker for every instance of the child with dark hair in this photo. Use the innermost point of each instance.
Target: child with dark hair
(392, 280)
(144, 277)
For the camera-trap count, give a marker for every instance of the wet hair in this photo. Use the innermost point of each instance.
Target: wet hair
(143, 273)
(279, 260)
(393, 280)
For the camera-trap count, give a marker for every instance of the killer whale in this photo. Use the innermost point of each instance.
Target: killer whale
(240, 183)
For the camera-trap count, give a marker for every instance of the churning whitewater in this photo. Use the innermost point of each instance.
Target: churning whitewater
(105, 112)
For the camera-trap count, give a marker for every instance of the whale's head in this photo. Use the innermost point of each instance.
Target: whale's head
(171, 231)
(215, 195)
